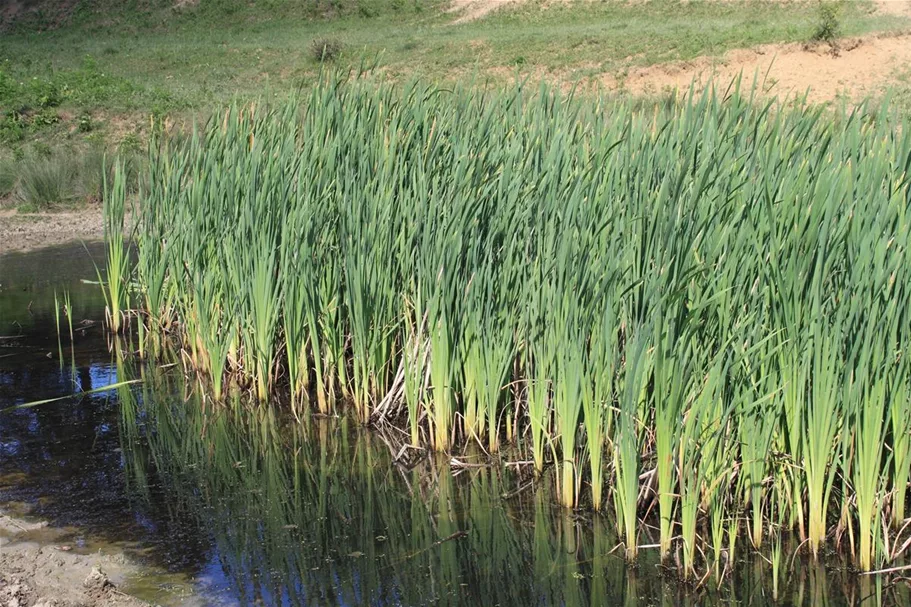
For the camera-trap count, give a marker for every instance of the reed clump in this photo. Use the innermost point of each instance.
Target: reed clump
(701, 308)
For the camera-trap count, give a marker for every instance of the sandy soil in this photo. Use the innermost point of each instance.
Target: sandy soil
(35, 575)
(853, 70)
(894, 7)
(21, 232)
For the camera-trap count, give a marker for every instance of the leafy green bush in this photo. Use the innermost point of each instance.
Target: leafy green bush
(828, 26)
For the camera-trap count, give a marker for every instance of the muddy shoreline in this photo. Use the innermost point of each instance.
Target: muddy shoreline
(27, 231)
(36, 574)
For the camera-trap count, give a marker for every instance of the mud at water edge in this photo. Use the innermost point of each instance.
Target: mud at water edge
(37, 571)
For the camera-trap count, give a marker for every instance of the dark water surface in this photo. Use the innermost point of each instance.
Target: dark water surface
(235, 506)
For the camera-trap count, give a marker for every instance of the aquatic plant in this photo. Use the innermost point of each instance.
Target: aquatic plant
(115, 288)
(697, 309)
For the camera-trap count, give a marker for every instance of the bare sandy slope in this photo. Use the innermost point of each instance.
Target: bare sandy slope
(469, 10)
(894, 7)
(855, 70)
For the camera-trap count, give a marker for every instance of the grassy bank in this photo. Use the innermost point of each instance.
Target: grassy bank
(105, 72)
(81, 80)
(697, 311)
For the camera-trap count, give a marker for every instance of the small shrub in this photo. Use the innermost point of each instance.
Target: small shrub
(828, 25)
(49, 97)
(42, 149)
(130, 144)
(325, 49)
(367, 8)
(12, 127)
(85, 124)
(46, 117)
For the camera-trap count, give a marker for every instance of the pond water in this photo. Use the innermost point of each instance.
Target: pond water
(240, 506)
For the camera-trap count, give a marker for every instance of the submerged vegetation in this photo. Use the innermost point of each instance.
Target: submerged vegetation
(697, 312)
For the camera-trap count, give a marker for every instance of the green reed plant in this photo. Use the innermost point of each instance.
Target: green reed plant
(115, 288)
(822, 423)
(870, 419)
(57, 324)
(679, 294)
(775, 558)
(900, 426)
(413, 368)
(670, 376)
(626, 447)
(597, 398)
(68, 312)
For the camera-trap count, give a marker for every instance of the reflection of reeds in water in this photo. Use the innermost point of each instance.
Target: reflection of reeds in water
(318, 513)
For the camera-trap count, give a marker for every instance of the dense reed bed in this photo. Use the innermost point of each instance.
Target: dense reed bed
(697, 312)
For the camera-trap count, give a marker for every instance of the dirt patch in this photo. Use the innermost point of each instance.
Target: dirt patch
(32, 575)
(469, 10)
(855, 70)
(894, 7)
(24, 231)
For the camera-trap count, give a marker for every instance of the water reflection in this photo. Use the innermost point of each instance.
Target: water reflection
(28, 282)
(320, 514)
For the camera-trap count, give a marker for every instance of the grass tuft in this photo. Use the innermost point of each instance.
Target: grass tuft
(47, 181)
